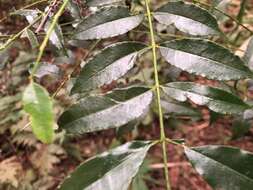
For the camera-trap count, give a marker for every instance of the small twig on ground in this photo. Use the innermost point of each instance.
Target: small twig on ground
(169, 165)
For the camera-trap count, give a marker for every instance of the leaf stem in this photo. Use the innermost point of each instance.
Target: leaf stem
(157, 88)
(48, 34)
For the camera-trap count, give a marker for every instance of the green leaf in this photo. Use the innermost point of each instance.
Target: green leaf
(113, 170)
(220, 3)
(240, 127)
(107, 22)
(188, 18)
(74, 9)
(56, 38)
(214, 98)
(31, 37)
(38, 105)
(47, 69)
(225, 168)
(29, 14)
(222, 6)
(248, 56)
(97, 3)
(112, 110)
(4, 57)
(139, 182)
(179, 109)
(108, 65)
(205, 58)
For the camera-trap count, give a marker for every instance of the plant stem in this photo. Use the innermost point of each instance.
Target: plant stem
(242, 10)
(157, 88)
(48, 34)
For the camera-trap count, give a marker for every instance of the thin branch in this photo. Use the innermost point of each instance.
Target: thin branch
(46, 17)
(169, 165)
(48, 34)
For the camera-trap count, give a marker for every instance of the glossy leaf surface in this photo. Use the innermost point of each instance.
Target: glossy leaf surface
(112, 170)
(179, 109)
(56, 37)
(188, 18)
(4, 57)
(225, 168)
(115, 109)
(47, 69)
(29, 14)
(214, 98)
(248, 56)
(107, 22)
(38, 105)
(74, 9)
(31, 37)
(97, 3)
(205, 58)
(108, 65)
(217, 3)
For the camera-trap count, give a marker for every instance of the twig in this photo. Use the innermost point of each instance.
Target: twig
(46, 39)
(169, 165)
(52, 7)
